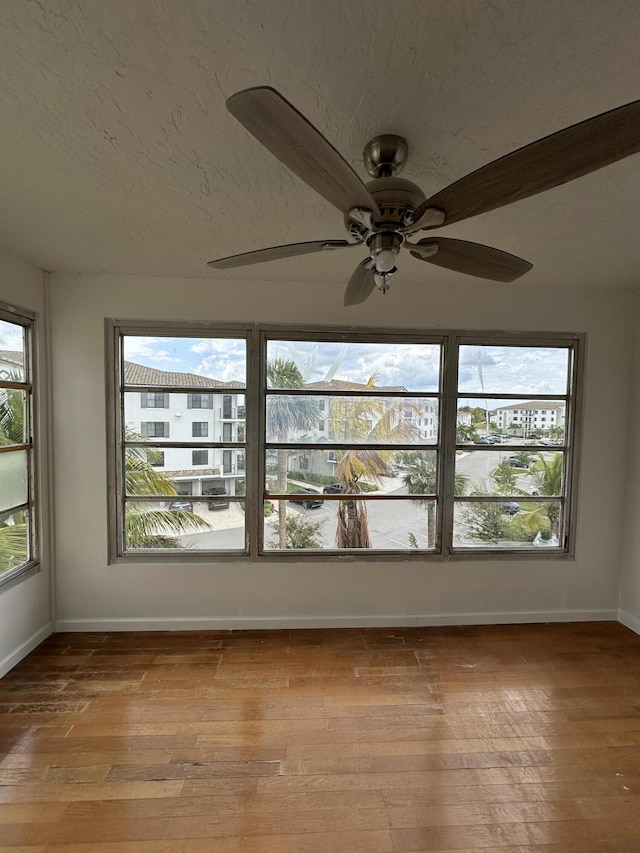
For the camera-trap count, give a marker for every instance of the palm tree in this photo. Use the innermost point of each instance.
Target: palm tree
(368, 421)
(421, 478)
(287, 414)
(465, 433)
(145, 526)
(547, 476)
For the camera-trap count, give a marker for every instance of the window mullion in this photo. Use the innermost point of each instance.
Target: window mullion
(449, 409)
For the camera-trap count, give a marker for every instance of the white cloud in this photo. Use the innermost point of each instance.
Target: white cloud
(150, 351)
(11, 336)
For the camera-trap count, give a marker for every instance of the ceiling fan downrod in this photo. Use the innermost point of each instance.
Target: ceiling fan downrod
(385, 156)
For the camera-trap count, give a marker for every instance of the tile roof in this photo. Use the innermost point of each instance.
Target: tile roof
(344, 385)
(13, 356)
(140, 374)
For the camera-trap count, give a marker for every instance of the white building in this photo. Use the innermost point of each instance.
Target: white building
(533, 416)
(213, 411)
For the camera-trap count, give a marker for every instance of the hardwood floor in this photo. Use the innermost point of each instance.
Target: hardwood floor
(500, 739)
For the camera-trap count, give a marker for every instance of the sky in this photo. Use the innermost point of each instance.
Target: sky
(505, 369)
(10, 336)
(493, 370)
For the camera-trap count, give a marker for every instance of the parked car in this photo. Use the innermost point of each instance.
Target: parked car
(511, 507)
(332, 489)
(215, 492)
(185, 506)
(307, 502)
(483, 441)
(517, 463)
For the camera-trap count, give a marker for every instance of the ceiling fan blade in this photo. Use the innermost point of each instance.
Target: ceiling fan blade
(470, 258)
(291, 138)
(275, 253)
(361, 283)
(541, 165)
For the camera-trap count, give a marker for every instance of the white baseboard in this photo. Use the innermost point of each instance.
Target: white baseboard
(215, 623)
(629, 620)
(9, 661)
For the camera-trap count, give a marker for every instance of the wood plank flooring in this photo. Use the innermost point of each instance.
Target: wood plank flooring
(500, 739)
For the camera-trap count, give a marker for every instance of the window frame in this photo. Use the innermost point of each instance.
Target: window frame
(575, 343)
(27, 320)
(115, 331)
(255, 393)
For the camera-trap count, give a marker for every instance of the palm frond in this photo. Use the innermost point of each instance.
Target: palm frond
(12, 412)
(144, 524)
(14, 546)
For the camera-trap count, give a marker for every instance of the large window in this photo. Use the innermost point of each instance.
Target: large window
(17, 509)
(410, 444)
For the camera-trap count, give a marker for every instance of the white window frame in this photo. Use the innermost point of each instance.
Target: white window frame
(255, 446)
(25, 319)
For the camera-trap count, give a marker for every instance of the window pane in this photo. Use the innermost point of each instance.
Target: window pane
(12, 351)
(500, 472)
(157, 470)
(513, 369)
(180, 422)
(13, 421)
(319, 470)
(184, 361)
(506, 524)
(312, 524)
(14, 541)
(185, 523)
(13, 479)
(357, 420)
(495, 420)
(338, 366)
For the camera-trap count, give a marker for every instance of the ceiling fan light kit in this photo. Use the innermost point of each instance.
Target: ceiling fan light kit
(384, 213)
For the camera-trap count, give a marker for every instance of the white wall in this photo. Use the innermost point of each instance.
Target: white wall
(630, 571)
(93, 594)
(25, 607)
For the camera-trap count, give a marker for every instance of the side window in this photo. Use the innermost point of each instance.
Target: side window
(17, 486)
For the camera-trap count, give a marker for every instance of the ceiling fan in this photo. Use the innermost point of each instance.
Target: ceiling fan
(384, 214)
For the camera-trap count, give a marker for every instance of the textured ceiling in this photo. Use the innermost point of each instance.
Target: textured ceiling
(117, 153)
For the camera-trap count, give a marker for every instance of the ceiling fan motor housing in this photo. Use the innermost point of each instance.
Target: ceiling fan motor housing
(396, 198)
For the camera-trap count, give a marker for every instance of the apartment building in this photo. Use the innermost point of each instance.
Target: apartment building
(528, 417)
(200, 409)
